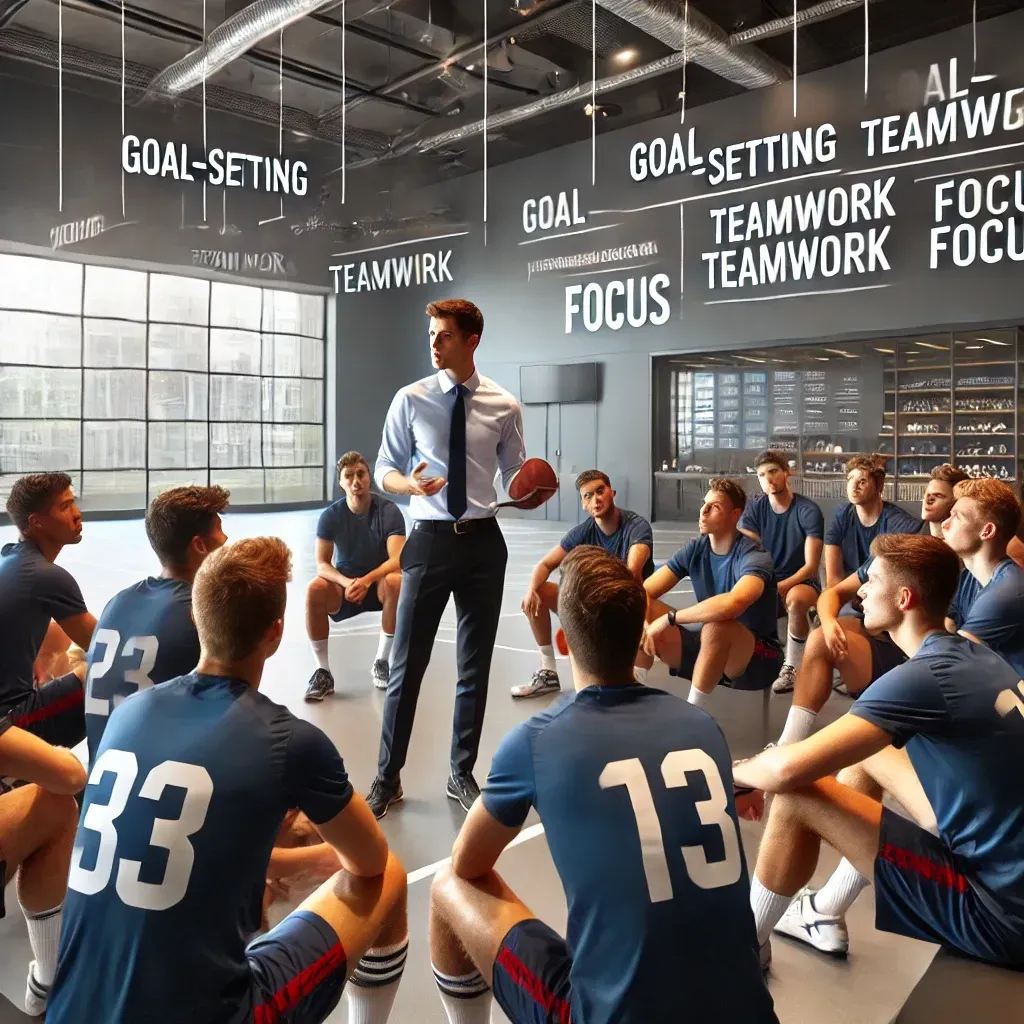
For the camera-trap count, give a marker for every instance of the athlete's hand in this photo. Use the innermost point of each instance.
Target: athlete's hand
(355, 592)
(835, 639)
(424, 486)
(749, 804)
(531, 603)
(784, 588)
(651, 632)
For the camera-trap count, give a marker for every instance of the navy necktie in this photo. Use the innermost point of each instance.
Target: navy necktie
(457, 456)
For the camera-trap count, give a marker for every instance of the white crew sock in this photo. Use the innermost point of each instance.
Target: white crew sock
(768, 908)
(640, 674)
(547, 657)
(384, 646)
(44, 938)
(795, 651)
(374, 984)
(320, 653)
(799, 725)
(466, 999)
(697, 697)
(836, 896)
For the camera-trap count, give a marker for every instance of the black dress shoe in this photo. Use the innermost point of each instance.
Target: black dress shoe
(463, 788)
(383, 793)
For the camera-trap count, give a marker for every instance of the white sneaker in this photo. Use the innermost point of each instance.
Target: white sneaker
(803, 923)
(786, 681)
(543, 681)
(36, 993)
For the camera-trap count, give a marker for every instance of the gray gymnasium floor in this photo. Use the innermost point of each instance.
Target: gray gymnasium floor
(869, 988)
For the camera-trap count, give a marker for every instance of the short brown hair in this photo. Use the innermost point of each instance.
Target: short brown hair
(873, 465)
(351, 459)
(467, 317)
(176, 516)
(770, 457)
(34, 494)
(731, 489)
(926, 564)
(997, 502)
(949, 474)
(238, 594)
(601, 606)
(588, 476)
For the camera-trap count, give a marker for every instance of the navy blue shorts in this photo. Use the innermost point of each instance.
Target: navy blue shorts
(921, 892)
(298, 971)
(54, 712)
(531, 975)
(762, 670)
(348, 610)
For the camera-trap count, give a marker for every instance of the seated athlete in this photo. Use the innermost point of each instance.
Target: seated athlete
(730, 634)
(943, 734)
(145, 634)
(939, 498)
(620, 532)
(790, 528)
(989, 603)
(865, 515)
(159, 909)
(37, 829)
(34, 594)
(641, 823)
(364, 534)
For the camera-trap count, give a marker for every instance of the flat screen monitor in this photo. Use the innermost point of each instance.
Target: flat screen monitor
(559, 382)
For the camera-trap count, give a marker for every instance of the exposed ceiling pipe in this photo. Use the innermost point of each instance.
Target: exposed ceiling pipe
(8, 9)
(230, 40)
(808, 16)
(707, 45)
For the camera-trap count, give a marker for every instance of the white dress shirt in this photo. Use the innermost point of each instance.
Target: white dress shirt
(418, 429)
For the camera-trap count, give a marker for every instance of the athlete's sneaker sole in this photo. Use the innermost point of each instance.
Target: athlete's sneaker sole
(318, 695)
(542, 692)
(791, 926)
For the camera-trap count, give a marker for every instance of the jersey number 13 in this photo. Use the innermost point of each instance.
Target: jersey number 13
(171, 834)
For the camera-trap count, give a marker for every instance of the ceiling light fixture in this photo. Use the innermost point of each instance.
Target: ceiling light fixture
(887, 351)
(993, 341)
(975, 347)
(626, 56)
(938, 348)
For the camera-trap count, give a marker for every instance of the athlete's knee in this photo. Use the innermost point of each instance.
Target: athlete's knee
(718, 633)
(59, 812)
(800, 600)
(390, 586)
(319, 591)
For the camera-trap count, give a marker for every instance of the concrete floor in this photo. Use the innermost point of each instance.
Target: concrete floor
(869, 988)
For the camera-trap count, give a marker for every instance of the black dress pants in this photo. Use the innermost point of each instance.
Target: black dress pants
(437, 562)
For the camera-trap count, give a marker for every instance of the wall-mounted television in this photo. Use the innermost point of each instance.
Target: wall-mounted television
(551, 383)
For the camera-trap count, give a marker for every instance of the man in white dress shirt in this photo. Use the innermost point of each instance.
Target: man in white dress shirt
(445, 438)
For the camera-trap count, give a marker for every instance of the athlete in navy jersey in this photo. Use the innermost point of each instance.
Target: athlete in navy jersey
(989, 602)
(944, 735)
(37, 600)
(634, 789)
(730, 634)
(865, 516)
(618, 531)
(191, 783)
(791, 529)
(146, 634)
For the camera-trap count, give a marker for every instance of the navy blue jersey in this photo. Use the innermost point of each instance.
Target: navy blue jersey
(32, 592)
(717, 574)
(994, 613)
(144, 636)
(854, 539)
(634, 788)
(190, 786)
(633, 529)
(783, 533)
(957, 709)
(360, 541)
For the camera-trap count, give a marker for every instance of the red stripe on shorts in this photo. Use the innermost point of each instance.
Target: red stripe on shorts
(302, 985)
(536, 989)
(909, 861)
(56, 707)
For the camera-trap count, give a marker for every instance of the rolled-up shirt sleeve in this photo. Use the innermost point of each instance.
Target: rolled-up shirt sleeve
(511, 446)
(396, 443)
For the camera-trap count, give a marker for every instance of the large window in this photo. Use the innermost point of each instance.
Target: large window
(134, 382)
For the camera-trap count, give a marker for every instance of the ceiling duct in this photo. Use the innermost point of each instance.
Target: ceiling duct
(230, 40)
(707, 45)
(808, 16)
(573, 24)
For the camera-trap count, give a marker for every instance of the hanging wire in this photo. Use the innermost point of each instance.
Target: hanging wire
(123, 75)
(686, 51)
(206, 154)
(60, 105)
(867, 46)
(795, 12)
(485, 121)
(344, 109)
(974, 27)
(593, 92)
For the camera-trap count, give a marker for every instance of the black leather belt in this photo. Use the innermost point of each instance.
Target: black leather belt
(459, 526)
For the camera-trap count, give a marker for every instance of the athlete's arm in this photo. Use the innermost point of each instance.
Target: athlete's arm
(324, 566)
(546, 566)
(27, 757)
(951, 627)
(833, 565)
(480, 843)
(357, 839)
(723, 607)
(809, 570)
(847, 741)
(391, 564)
(660, 582)
(636, 558)
(971, 637)
(80, 628)
(833, 598)
(1015, 549)
(752, 534)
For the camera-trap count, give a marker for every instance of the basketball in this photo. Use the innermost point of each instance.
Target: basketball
(533, 484)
